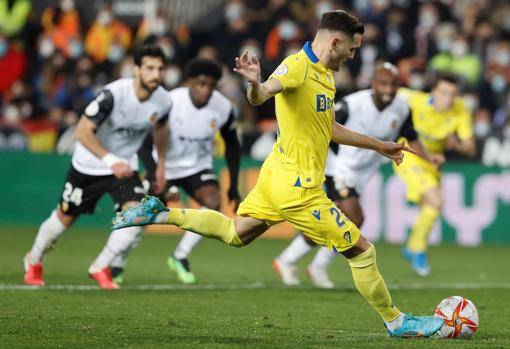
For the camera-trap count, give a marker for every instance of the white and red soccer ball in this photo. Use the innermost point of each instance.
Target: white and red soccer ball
(460, 317)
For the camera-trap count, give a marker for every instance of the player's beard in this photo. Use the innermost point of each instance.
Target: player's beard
(147, 88)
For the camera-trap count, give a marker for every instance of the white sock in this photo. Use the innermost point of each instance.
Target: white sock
(48, 233)
(295, 251)
(119, 242)
(120, 260)
(323, 258)
(188, 241)
(161, 217)
(395, 324)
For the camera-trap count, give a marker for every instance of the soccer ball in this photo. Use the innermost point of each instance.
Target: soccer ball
(460, 317)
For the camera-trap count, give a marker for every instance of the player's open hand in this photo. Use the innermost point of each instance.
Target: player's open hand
(395, 151)
(248, 68)
(121, 170)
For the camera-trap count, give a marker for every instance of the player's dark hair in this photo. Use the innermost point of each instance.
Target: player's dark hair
(202, 66)
(148, 51)
(341, 21)
(448, 77)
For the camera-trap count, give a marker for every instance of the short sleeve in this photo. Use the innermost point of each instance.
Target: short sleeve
(291, 72)
(465, 123)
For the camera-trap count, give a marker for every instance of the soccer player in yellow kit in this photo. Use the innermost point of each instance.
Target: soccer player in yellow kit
(442, 122)
(289, 187)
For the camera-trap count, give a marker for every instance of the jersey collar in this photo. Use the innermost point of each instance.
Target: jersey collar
(308, 50)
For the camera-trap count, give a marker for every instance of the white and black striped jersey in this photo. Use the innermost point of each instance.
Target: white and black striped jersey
(122, 122)
(357, 111)
(192, 130)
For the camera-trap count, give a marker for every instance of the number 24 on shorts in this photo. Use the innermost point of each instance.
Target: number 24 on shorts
(71, 194)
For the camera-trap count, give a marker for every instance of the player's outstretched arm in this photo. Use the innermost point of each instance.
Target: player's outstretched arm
(391, 150)
(161, 135)
(249, 69)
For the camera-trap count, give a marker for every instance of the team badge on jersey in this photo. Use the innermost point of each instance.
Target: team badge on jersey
(282, 69)
(317, 214)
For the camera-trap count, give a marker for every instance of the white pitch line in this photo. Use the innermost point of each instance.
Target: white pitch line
(259, 285)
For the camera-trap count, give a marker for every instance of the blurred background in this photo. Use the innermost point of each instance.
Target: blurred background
(56, 54)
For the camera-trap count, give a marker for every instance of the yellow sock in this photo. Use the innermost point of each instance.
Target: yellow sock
(420, 232)
(208, 223)
(370, 284)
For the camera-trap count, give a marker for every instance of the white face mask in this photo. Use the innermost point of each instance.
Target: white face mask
(115, 54)
(172, 77)
(233, 12)
(428, 19)
(444, 44)
(503, 57)
(481, 129)
(287, 29)
(67, 5)
(459, 48)
(498, 83)
(323, 6)
(46, 48)
(104, 18)
(158, 26)
(169, 51)
(416, 82)
(75, 49)
(252, 50)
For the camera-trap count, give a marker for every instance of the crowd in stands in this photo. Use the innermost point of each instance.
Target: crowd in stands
(53, 63)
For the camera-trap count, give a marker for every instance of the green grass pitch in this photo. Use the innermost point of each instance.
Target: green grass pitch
(238, 302)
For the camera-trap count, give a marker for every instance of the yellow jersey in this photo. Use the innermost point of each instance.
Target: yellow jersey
(304, 111)
(434, 127)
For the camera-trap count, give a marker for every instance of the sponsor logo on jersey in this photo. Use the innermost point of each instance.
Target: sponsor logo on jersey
(324, 103)
(317, 214)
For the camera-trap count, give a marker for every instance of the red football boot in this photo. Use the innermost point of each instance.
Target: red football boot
(104, 279)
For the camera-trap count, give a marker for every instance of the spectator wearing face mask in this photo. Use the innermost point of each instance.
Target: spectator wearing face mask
(458, 60)
(108, 39)
(13, 63)
(428, 18)
(285, 31)
(12, 136)
(62, 25)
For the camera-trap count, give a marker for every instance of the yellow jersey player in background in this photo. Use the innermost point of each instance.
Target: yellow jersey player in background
(442, 122)
(289, 187)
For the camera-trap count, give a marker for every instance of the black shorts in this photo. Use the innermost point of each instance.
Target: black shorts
(191, 183)
(334, 194)
(81, 191)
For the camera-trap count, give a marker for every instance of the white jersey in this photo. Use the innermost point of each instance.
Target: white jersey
(353, 167)
(192, 130)
(122, 122)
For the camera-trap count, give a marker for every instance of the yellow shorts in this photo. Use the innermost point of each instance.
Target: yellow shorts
(274, 200)
(418, 175)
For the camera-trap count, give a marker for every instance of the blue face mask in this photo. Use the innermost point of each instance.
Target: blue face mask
(4, 47)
